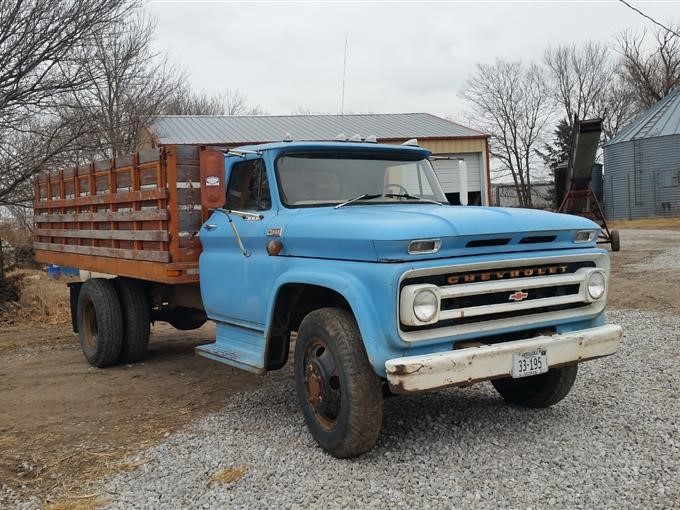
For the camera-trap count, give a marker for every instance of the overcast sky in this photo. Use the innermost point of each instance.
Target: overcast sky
(401, 57)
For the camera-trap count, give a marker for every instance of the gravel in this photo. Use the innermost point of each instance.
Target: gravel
(663, 245)
(613, 443)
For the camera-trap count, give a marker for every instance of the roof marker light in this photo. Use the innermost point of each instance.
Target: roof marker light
(342, 137)
(371, 139)
(288, 138)
(356, 138)
(412, 142)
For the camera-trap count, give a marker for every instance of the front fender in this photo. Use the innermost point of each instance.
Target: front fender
(375, 314)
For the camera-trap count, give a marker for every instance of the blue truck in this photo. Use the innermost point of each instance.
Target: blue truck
(345, 258)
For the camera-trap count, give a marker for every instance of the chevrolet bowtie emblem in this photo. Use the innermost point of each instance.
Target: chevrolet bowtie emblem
(518, 296)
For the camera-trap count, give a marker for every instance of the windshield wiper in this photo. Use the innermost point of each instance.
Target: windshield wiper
(411, 197)
(365, 196)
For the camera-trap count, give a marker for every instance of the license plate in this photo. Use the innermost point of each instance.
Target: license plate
(525, 364)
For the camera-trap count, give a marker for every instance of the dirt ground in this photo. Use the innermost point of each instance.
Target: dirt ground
(64, 424)
(646, 272)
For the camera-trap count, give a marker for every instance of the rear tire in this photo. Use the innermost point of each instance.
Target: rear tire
(136, 320)
(340, 395)
(100, 322)
(537, 391)
(615, 240)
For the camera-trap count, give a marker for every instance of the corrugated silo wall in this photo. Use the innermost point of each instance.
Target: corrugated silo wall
(642, 178)
(618, 165)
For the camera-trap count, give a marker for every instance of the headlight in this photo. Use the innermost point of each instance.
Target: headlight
(584, 236)
(596, 285)
(425, 305)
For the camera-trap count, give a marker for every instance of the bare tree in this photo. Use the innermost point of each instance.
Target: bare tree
(236, 103)
(127, 83)
(579, 78)
(187, 102)
(510, 101)
(38, 40)
(230, 102)
(650, 72)
(617, 107)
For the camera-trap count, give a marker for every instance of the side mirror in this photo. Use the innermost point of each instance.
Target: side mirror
(213, 182)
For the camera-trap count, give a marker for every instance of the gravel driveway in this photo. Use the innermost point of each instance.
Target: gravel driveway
(614, 442)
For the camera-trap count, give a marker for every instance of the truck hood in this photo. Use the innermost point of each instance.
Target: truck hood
(382, 232)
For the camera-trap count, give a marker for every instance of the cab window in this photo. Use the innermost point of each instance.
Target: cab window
(248, 188)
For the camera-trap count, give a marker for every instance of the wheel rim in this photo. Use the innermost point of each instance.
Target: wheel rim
(322, 383)
(90, 325)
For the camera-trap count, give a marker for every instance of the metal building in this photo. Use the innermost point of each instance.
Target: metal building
(451, 143)
(642, 164)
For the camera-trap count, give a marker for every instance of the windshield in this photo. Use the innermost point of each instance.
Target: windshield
(320, 179)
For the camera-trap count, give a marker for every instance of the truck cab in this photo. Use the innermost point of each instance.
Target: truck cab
(348, 254)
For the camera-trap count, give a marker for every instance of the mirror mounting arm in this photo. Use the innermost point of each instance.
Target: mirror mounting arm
(245, 215)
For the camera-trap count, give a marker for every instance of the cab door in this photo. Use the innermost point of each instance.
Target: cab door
(234, 286)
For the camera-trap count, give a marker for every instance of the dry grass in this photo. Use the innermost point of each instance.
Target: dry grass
(228, 475)
(86, 502)
(91, 501)
(41, 298)
(647, 224)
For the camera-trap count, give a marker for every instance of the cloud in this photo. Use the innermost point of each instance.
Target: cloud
(401, 57)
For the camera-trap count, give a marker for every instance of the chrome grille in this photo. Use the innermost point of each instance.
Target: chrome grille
(478, 297)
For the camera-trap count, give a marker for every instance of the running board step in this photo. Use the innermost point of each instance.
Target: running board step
(236, 346)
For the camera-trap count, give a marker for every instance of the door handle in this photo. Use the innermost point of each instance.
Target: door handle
(210, 226)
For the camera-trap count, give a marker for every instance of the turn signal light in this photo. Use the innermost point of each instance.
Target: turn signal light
(274, 247)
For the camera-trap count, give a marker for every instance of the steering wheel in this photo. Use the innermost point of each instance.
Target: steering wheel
(395, 185)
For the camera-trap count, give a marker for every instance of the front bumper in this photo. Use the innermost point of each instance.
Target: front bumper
(414, 374)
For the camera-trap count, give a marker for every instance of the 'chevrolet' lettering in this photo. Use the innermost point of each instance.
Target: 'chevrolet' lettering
(482, 276)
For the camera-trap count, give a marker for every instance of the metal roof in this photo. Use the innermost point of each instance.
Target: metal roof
(662, 119)
(228, 130)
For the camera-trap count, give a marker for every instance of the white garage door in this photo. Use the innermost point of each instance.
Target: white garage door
(447, 171)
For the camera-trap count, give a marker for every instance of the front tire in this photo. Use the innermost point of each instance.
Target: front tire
(340, 395)
(538, 391)
(100, 322)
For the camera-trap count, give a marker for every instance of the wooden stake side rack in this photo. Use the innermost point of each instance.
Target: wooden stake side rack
(137, 215)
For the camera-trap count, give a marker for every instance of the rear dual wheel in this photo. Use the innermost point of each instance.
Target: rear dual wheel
(100, 322)
(136, 319)
(113, 321)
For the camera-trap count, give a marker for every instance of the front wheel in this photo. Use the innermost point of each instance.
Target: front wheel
(541, 390)
(340, 395)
